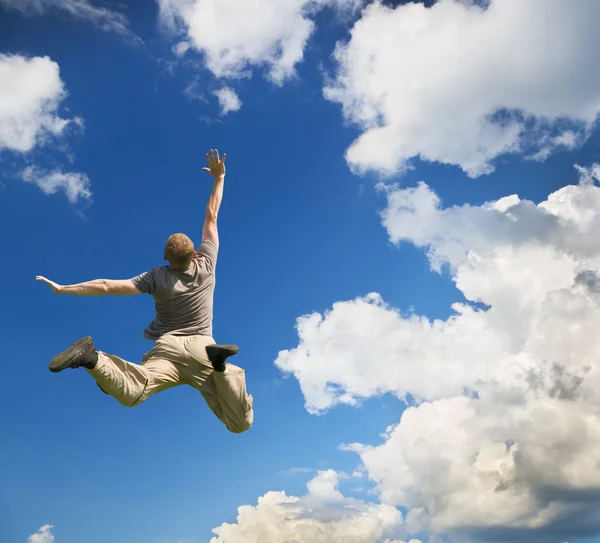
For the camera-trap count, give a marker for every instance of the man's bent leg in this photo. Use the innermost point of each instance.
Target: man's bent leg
(131, 384)
(234, 401)
(224, 392)
(120, 379)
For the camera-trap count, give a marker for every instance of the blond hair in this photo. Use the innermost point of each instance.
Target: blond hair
(179, 250)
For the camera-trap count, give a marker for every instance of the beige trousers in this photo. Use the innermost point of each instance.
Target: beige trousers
(173, 361)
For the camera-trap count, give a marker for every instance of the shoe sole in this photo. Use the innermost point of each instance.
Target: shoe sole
(62, 361)
(223, 350)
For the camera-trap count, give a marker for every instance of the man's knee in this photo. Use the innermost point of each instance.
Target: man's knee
(242, 425)
(239, 428)
(125, 399)
(100, 387)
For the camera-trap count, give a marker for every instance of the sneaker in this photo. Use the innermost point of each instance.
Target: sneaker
(81, 354)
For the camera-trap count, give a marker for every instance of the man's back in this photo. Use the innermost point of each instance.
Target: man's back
(183, 298)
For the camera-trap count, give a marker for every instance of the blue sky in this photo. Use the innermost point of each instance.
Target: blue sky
(301, 230)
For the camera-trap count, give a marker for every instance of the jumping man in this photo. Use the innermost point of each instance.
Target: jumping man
(184, 351)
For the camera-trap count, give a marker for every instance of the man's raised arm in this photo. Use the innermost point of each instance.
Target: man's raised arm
(217, 170)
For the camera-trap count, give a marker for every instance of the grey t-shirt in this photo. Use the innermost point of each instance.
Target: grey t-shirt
(183, 299)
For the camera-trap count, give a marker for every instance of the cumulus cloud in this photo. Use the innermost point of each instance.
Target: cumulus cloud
(323, 515)
(228, 100)
(43, 535)
(460, 83)
(104, 18)
(235, 36)
(502, 428)
(31, 92)
(76, 186)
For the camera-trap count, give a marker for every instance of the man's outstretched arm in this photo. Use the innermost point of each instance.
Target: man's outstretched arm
(97, 287)
(217, 170)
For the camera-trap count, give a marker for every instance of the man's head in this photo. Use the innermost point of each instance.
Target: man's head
(179, 251)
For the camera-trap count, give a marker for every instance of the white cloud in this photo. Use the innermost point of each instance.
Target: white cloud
(76, 186)
(228, 100)
(461, 85)
(323, 515)
(236, 36)
(43, 535)
(31, 92)
(503, 434)
(105, 19)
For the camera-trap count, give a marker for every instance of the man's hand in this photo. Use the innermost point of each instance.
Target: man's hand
(54, 286)
(216, 167)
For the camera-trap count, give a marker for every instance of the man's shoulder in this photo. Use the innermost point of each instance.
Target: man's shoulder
(207, 255)
(207, 247)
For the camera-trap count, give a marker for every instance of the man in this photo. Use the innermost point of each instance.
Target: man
(184, 351)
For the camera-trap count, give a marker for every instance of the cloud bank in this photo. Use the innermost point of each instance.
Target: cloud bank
(502, 431)
(462, 84)
(322, 515)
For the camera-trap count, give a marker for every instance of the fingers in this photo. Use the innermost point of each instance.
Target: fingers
(224, 157)
(43, 280)
(213, 157)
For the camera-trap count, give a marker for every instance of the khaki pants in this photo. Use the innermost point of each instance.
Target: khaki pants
(173, 361)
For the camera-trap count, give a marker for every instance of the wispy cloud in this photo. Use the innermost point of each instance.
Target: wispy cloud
(76, 186)
(194, 91)
(297, 471)
(228, 100)
(103, 18)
